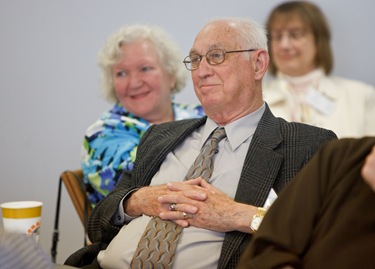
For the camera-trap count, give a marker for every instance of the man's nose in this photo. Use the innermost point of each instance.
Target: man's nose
(204, 68)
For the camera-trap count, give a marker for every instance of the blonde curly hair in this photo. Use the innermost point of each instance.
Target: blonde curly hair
(166, 48)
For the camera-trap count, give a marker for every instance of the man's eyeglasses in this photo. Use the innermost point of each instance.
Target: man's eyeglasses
(213, 57)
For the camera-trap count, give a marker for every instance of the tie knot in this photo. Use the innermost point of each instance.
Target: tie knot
(219, 134)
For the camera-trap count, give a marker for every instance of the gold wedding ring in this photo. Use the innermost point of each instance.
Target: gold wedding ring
(185, 215)
(172, 207)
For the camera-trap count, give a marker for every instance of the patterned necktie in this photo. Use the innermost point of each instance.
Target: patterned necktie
(158, 243)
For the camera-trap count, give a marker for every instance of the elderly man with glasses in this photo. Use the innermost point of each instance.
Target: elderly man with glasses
(177, 210)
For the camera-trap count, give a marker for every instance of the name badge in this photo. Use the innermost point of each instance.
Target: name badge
(320, 102)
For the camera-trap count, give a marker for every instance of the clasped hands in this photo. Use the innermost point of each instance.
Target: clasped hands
(191, 203)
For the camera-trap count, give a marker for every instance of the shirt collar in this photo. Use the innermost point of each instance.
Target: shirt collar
(237, 131)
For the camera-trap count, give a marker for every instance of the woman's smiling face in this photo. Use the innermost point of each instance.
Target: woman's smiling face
(293, 46)
(141, 83)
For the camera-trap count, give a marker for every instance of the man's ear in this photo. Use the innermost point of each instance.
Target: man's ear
(261, 63)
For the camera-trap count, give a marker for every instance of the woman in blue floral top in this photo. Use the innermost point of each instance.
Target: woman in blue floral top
(141, 71)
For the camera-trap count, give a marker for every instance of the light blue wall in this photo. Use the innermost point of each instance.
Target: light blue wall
(49, 80)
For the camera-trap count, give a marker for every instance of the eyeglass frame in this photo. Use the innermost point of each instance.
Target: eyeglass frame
(208, 59)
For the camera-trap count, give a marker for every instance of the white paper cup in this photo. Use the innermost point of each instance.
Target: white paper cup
(22, 217)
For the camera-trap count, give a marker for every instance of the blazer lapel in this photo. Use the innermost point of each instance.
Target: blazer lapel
(259, 172)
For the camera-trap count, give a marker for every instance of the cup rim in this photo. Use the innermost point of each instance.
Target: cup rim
(21, 204)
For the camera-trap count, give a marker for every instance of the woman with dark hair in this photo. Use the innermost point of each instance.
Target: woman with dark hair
(301, 62)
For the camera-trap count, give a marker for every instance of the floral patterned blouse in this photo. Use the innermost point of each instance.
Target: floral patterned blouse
(110, 146)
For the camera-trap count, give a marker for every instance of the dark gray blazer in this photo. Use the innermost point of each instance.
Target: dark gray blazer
(278, 150)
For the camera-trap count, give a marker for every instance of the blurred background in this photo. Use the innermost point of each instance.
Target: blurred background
(49, 81)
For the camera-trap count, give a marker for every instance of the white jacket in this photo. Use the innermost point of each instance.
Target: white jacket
(351, 110)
